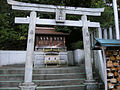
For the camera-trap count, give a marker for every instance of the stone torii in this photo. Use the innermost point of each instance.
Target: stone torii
(60, 20)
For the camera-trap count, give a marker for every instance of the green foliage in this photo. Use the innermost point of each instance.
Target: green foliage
(118, 2)
(14, 36)
(62, 29)
(97, 3)
(107, 17)
(77, 45)
(75, 3)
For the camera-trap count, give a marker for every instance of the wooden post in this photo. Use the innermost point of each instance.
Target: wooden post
(92, 43)
(110, 33)
(86, 40)
(116, 19)
(105, 33)
(51, 41)
(64, 41)
(92, 38)
(100, 32)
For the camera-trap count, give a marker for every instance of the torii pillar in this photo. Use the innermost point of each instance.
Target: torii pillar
(86, 40)
(90, 82)
(28, 84)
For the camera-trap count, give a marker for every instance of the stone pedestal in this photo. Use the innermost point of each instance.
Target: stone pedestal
(27, 86)
(91, 85)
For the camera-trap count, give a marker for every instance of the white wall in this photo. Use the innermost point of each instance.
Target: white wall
(100, 65)
(18, 57)
(12, 57)
(79, 56)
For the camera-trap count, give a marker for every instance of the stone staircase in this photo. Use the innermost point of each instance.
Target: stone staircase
(62, 78)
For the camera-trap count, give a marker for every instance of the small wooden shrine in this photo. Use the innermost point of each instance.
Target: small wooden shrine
(48, 38)
(51, 43)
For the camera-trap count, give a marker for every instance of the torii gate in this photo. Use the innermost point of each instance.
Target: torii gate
(60, 20)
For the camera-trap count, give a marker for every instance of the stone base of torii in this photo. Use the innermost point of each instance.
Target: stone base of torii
(27, 86)
(91, 85)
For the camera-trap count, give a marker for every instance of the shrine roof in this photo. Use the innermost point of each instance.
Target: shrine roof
(106, 43)
(48, 31)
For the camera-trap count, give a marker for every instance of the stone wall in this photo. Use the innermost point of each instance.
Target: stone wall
(18, 57)
(70, 58)
(12, 57)
(39, 58)
(79, 56)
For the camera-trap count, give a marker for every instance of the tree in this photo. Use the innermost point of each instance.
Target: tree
(107, 17)
(13, 36)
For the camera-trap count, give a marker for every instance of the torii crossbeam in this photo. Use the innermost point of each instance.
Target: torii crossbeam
(21, 20)
(52, 8)
(60, 20)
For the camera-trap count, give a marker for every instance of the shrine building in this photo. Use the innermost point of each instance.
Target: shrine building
(50, 47)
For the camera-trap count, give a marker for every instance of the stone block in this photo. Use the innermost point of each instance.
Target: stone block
(79, 56)
(70, 58)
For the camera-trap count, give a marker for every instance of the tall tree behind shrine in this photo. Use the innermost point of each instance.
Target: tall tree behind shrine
(14, 36)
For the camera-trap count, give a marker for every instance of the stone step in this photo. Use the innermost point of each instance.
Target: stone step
(54, 67)
(61, 78)
(9, 83)
(49, 67)
(9, 88)
(42, 76)
(56, 82)
(59, 82)
(23, 65)
(13, 65)
(58, 76)
(43, 70)
(65, 87)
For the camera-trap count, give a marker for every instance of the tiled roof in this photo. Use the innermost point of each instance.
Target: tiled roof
(48, 31)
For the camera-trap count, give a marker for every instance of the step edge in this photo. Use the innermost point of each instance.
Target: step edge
(42, 74)
(1, 88)
(41, 68)
(54, 80)
(39, 87)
